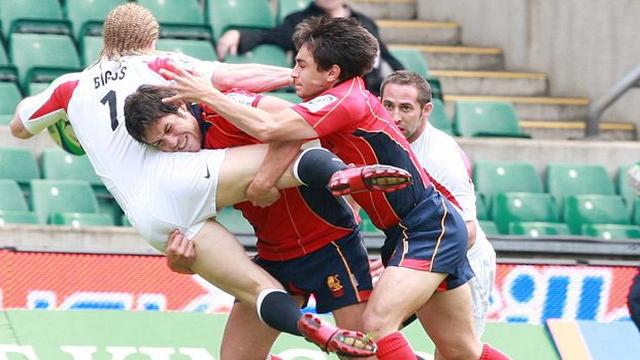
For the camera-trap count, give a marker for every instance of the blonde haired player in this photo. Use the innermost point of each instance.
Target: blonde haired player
(161, 192)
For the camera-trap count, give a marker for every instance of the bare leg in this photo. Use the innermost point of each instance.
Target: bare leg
(350, 317)
(447, 318)
(223, 262)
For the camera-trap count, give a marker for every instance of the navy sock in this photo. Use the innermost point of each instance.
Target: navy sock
(277, 309)
(315, 166)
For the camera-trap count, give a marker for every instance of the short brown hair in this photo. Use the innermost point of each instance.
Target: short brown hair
(129, 29)
(338, 41)
(404, 77)
(144, 108)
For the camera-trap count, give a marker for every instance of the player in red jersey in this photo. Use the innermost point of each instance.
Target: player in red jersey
(308, 239)
(426, 241)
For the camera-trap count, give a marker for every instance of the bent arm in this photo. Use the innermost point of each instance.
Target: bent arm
(251, 77)
(17, 127)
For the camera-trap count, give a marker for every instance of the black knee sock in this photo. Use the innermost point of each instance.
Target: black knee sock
(315, 166)
(277, 309)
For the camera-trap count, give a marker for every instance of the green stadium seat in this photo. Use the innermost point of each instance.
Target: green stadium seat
(11, 197)
(412, 59)
(439, 118)
(478, 118)
(179, 19)
(233, 220)
(20, 165)
(42, 57)
(4, 58)
(436, 88)
(624, 189)
(366, 225)
(81, 220)
(489, 227)
(522, 207)
(37, 87)
(10, 96)
(90, 48)
(17, 217)
(575, 179)
(41, 16)
(286, 7)
(290, 97)
(87, 16)
(636, 212)
(482, 210)
(200, 49)
(594, 209)
(124, 220)
(492, 177)
(243, 14)
(261, 54)
(538, 229)
(611, 231)
(61, 196)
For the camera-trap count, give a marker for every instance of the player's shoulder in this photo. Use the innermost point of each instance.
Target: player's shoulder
(345, 95)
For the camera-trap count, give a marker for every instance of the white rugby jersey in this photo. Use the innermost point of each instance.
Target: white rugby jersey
(142, 179)
(450, 171)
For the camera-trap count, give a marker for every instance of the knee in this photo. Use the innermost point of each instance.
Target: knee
(377, 322)
(456, 350)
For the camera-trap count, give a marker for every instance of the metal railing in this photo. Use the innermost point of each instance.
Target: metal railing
(596, 108)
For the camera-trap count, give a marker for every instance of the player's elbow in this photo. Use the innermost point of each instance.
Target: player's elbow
(18, 130)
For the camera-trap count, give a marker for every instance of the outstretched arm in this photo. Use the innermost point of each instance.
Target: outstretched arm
(17, 127)
(252, 77)
(265, 126)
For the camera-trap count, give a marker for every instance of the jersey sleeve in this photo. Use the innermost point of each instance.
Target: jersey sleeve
(193, 65)
(43, 110)
(326, 114)
(455, 179)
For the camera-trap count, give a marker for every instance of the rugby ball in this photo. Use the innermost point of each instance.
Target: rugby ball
(62, 134)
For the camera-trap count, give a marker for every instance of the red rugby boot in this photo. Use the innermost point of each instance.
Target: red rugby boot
(377, 177)
(332, 339)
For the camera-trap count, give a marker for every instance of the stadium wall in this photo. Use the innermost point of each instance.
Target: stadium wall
(585, 46)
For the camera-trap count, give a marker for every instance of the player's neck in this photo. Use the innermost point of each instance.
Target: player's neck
(418, 132)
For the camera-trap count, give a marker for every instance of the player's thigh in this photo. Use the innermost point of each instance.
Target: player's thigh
(398, 293)
(350, 316)
(222, 261)
(245, 336)
(239, 167)
(448, 321)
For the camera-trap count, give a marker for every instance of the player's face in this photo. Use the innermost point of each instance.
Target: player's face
(175, 132)
(308, 81)
(401, 101)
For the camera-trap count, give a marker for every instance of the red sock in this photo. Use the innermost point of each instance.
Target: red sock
(394, 347)
(489, 353)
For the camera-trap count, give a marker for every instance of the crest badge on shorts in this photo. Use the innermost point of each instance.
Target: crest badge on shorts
(335, 286)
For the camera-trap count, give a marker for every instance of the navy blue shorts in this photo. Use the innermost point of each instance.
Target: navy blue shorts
(432, 237)
(337, 274)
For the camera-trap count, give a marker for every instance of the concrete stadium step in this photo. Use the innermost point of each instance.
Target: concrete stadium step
(386, 9)
(533, 107)
(558, 130)
(419, 32)
(492, 82)
(440, 57)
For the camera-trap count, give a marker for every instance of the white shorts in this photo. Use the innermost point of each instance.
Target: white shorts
(176, 191)
(482, 258)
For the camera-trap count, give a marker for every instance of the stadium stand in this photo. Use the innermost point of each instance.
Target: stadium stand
(538, 229)
(439, 118)
(225, 14)
(482, 210)
(20, 165)
(11, 197)
(624, 189)
(286, 7)
(489, 227)
(412, 59)
(201, 49)
(486, 119)
(491, 177)
(509, 208)
(17, 217)
(611, 231)
(263, 54)
(81, 220)
(594, 209)
(572, 179)
(86, 16)
(179, 19)
(233, 220)
(61, 196)
(90, 47)
(39, 16)
(9, 97)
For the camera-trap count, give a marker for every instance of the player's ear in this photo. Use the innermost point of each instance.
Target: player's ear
(334, 73)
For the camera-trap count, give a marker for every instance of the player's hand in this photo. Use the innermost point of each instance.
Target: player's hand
(260, 195)
(376, 267)
(188, 87)
(228, 43)
(181, 253)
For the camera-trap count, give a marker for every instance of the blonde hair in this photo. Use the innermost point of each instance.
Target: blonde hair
(129, 29)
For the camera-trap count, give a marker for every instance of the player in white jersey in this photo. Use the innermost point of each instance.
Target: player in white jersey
(162, 192)
(407, 97)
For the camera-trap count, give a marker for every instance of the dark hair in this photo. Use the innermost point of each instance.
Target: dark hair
(338, 41)
(403, 77)
(144, 108)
